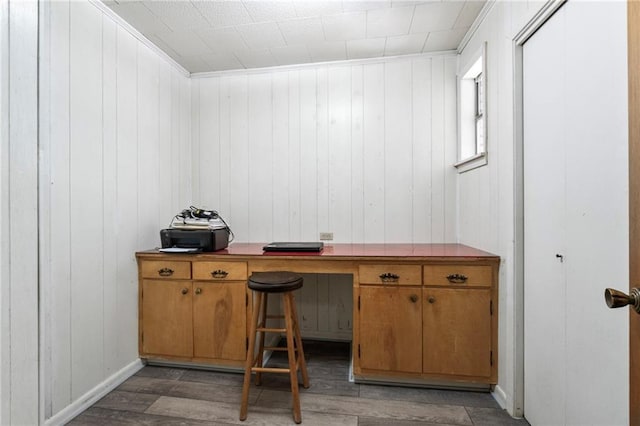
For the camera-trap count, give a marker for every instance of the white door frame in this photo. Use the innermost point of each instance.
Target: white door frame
(518, 105)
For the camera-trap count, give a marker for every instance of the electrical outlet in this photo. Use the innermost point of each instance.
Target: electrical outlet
(326, 236)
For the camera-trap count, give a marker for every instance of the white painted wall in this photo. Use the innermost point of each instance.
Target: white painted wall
(18, 212)
(486, 196)
(361, 149)
(115, 147)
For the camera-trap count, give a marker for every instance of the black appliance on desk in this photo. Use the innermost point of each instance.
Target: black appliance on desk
(196, 230)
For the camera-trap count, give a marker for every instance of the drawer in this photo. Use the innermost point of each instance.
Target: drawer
(458, 275)
(165, 269)
(390, 274)
(216, 271)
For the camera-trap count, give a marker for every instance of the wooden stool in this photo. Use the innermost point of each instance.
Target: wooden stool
(263, 283)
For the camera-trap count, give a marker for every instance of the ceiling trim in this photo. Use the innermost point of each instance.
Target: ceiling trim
(341, 62)
(476, 24)
(138, 35)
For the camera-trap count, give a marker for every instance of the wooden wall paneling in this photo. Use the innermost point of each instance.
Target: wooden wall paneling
(281, 152)
(109, 188)
(173, 167)
(86, 197)
(340, 306)
(398, 153)
(438, 145)
(166, 123)
(60, 208)
(357, 154)
(374, 171)
(207, 154)
(449, 84)
(323, 302)
(148, 133)
(224, 163)
(421, 138)
(239, 134)
(127, 209)
(196, 112)
(322, 150)
(306, 301)
(184, 176)
(308, 147)
(339, 173)
(20, 323)
(294, 166)
(261, 156)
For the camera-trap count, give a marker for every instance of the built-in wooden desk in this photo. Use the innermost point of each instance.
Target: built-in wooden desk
(423, 313)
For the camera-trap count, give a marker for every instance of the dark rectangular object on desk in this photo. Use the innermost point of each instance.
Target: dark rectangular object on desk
(289, 246)
(203, 239)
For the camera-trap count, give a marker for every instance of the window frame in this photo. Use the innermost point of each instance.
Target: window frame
(468, 102)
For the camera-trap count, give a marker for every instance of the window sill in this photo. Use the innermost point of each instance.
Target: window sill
(471, 163)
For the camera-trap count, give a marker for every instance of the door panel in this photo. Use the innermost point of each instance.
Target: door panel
(633, 20)
(576, 206)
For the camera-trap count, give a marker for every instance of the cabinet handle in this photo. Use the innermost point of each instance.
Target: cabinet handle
(198, 290)
(389, 278)
(219, 273)
(165, 272)
(457, 278)
(431, 299)
(185, 290)
(413, 298)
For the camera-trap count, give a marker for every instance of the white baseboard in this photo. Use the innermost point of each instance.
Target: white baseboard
(85, 401)
(500, 396)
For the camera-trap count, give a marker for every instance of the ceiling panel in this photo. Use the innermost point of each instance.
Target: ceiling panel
(216, 35)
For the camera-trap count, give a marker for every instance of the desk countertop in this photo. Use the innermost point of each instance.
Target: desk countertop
(355, 251)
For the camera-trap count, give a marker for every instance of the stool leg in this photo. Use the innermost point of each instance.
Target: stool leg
(293, 373)
(250, 358)
(301, 361)
(261, 337)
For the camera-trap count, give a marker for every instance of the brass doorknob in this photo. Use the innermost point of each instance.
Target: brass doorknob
(617, 299)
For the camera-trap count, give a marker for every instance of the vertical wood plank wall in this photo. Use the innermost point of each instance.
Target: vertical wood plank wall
(361, 150)
(119, 167)
(18, 212)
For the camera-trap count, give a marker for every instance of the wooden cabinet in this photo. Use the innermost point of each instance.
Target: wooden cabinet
(428, 322)
(194, 311)
(390, 329)
(166, 327)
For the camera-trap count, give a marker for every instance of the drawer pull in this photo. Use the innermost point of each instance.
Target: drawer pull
(413, 298)
(431, 299)
(185, 290)
(165, 272)
(198, 290)
(457, 278)
(389, 278)
(219, 273)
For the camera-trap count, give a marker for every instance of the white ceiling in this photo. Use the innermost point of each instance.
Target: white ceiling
(216, 35)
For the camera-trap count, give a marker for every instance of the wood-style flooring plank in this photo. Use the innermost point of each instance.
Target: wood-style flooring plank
(96, 416)
(258, 415)
(429, 396)
(127, 401)
(392, 410)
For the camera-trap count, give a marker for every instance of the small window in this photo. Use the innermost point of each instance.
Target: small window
(472, 117)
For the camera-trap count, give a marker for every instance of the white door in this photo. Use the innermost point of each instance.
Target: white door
(576, 216)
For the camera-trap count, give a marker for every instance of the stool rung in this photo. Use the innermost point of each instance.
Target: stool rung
(270, 370)
(272, 330)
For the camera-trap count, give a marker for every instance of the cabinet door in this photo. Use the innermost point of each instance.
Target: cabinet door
(457, 331)
(166, 318)
(220, 320)
(390, 329)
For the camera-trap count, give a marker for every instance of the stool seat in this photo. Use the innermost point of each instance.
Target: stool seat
(275, 282)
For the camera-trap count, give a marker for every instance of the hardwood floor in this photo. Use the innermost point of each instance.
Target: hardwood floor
(177, 396)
